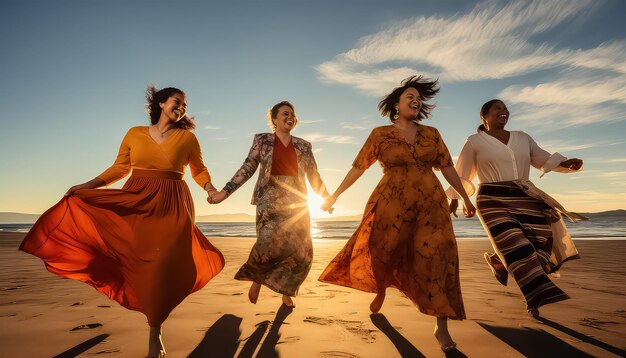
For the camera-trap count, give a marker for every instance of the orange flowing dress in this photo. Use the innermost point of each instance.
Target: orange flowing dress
(138, 245)
(405, 239)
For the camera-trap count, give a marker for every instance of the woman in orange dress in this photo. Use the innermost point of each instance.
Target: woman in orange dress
(138, 245)
(405, 239)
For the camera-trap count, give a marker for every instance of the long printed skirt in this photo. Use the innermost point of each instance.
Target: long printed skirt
(520, 232)
(139, 245)
(282, 255)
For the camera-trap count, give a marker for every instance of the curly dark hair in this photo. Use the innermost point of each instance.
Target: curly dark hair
(483, 111)
(426, 88)
(154, 97)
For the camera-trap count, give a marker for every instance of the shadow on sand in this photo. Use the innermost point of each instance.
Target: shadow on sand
(221, 339)
(583, 337)
(81, 348)
(404, 347)
(534, 342)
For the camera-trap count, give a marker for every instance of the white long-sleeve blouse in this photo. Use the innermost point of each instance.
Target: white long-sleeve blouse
(493, 161)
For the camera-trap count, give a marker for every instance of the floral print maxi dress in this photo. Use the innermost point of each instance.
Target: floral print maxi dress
(405, 239)
(283, 253)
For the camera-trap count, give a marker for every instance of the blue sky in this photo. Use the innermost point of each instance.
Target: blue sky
(73, 76)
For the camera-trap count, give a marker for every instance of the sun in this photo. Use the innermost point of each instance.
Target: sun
(314, 203)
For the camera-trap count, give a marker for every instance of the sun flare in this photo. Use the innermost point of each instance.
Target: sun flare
(314, 203)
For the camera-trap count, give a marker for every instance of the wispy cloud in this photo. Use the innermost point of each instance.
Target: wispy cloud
(496, 41)
(222, 138)
(319, 137)
(620, 174)
(564, 146)
(615, 160)
(211, 128)
(310, 121)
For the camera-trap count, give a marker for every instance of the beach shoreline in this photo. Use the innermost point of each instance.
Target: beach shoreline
(36, 306)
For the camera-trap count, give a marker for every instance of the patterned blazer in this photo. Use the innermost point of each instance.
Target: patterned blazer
(261, 153)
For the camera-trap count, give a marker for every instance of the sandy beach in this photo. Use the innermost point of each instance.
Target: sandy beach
(42, 315)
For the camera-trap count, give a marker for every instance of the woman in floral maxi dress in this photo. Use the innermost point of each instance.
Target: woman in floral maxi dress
(282, 255)
(405, 239)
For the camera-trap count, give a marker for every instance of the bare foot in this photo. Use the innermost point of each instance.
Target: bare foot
(288, 302)
(377, 303)
(444, 339)
(155, 344)
(443, 336)
(253, 293)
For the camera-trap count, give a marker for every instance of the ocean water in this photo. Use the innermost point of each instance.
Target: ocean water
(598, 227)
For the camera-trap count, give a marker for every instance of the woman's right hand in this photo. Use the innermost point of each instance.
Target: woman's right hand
(92, 184)
(73, 189)
(454, 204)
(328, 204)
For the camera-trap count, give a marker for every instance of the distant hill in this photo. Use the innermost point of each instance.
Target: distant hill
(226, 218)
(605, 214)
(21, 218)
(18, 218)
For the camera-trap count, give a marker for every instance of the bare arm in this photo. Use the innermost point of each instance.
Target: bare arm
(347, 182)
(453, 178)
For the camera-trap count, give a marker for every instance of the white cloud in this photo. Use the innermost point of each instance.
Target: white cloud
(222, 138)
(489, 42)
(564, 146)
(616, 160)
(496, 41)
(319, 137)
(211, 128)
(304, 121)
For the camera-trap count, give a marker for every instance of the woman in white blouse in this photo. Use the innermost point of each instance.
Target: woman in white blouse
(524, 224)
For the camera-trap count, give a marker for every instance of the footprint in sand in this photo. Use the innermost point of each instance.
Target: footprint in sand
(86, 326)
(79, 303)
(104, 306)
(289, 339)
(108, 351)
(338, 354)
(354, 327)
(595, 323)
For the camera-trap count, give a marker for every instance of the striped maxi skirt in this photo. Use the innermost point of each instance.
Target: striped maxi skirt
(520, 232)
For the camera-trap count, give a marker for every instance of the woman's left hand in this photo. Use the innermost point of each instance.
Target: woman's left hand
(468, 209)
(573, 164)
(216, 197)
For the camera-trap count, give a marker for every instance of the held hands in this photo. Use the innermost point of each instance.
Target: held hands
(216, 197)
(573, 164)
(328, 204)
(468, 208)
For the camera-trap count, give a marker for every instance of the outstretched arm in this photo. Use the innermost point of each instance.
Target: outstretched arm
(350, 178)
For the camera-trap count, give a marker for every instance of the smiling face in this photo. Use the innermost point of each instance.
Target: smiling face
(409, 104)
(497, 116)
(285, 119)
(174, 108)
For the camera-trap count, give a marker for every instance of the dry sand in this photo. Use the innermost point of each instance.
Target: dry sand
(42, 315)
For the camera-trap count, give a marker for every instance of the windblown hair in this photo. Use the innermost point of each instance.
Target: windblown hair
(426, 88)
(273, 112)
(483, 112)
(154, 97)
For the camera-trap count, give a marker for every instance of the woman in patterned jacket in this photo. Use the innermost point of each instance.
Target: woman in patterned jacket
(282, 255)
